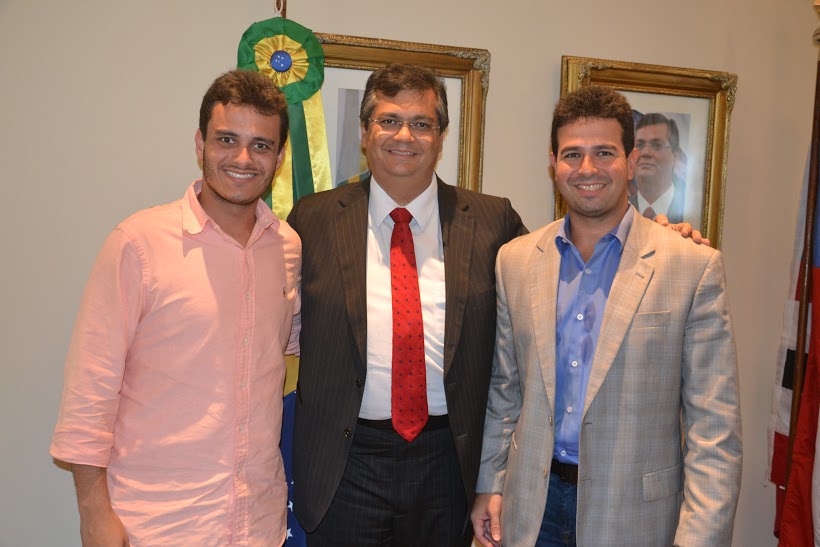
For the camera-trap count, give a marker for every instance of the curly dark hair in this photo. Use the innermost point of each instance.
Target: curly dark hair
(246, 88)
(594, 102)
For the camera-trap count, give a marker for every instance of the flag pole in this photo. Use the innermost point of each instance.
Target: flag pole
(806, 266)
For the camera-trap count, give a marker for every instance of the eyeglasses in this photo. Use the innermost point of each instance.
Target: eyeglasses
(656, 146)
(392, 125)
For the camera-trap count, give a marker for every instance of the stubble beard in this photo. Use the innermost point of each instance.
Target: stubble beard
(210, 174)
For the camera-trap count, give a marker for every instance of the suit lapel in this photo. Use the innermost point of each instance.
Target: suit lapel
(350, 232)
(630, 283)
(545, 262)
(457, 232)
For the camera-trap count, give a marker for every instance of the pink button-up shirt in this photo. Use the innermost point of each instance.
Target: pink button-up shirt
(173, 379)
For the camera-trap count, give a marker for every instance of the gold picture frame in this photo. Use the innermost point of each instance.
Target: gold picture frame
(469, 68)
(703, 99)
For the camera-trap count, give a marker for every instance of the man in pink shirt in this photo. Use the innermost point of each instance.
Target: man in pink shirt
(172, 407)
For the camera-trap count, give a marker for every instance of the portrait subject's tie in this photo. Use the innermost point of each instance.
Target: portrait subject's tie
(409, 385)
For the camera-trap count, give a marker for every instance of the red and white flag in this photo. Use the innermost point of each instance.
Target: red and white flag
(797, 520)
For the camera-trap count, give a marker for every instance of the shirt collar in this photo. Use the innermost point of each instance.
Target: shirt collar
(422, 208)
(194, 217)
(661, 205)
(619, 232)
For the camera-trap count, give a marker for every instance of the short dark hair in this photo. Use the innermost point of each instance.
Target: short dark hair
(656, 118)
(246, 88)
(594, 102)
(396, 77)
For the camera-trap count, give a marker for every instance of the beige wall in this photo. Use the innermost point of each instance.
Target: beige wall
(98, 107)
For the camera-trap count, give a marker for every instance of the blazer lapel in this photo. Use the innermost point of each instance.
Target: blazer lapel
(457, 229)
(546, 263)
(630, 283)
(350, 232)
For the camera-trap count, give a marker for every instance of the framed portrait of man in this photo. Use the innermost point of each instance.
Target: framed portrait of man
(349, 60)
(681, 136)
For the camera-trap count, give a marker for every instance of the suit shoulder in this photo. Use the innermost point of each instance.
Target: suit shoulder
(320, 204)
(527, 242)
(473, 198)
(326, 197)
(670, 247)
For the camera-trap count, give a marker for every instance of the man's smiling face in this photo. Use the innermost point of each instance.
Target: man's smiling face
(402, 158)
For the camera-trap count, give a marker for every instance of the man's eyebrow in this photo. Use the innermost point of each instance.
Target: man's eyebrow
(594, 147)
(254, 138)
(264, 140)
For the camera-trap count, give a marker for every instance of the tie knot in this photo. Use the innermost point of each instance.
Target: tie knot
(401, 215)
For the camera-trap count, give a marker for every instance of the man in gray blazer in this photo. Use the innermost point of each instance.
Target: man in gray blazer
(613, 415)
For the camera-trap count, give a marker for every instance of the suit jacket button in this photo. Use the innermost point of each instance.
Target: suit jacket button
(347, 432)
(359, 383)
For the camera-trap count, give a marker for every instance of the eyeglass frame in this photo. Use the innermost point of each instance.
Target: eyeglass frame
(656, 147)
(411, 126)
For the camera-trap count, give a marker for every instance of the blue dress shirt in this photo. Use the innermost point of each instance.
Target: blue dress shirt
(583, 290)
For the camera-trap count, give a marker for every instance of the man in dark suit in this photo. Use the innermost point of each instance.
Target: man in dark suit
(657, 141)
(390, 408)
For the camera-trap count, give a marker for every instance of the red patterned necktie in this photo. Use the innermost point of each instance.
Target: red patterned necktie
(409, 388)
(649, 213)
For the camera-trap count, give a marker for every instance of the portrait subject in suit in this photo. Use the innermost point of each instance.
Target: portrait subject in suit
(659, 190)
(398, 330)
(613, 415)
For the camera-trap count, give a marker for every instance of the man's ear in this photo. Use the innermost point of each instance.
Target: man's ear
(364, 136)
(280, 158)
(199, 141)
(631, 161)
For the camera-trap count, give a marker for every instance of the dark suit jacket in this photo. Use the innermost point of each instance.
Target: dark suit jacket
(333, 228)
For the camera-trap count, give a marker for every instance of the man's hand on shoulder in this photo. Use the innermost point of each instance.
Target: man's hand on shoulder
(486, 519)
(685, 230)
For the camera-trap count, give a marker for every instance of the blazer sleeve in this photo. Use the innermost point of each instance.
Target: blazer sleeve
(711, 416)
(504, 402)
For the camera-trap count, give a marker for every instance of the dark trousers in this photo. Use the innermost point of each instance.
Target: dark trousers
(396, 493)
(558, 525)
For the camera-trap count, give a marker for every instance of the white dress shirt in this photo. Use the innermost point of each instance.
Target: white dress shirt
(661, 205)
(426, 230)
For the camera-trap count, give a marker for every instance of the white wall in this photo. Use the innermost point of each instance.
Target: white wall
(98, 108)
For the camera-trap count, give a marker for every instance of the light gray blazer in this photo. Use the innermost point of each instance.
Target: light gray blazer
(664, 370)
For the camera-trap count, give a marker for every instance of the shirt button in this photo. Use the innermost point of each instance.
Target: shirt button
(359, 383)
(347, 432)
(574, 363)
(579, 317)
(569, 409)
(248, 296)
(242, 385)
(587, 271)
(245, 340)
(563, 452)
